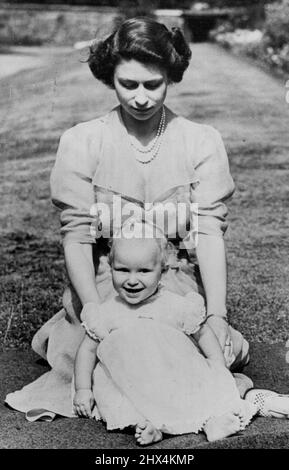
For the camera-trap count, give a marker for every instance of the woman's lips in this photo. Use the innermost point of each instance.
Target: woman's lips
(142, 110)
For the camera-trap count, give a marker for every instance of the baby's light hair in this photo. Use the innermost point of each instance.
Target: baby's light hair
(134, 228)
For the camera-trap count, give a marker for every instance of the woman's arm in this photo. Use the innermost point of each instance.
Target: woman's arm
(212, 263)
(72, 192)
(209, 344)
(216, 186)
(211, 256)
(80, 268)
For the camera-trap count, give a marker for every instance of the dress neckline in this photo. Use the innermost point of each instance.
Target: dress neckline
(119, 172)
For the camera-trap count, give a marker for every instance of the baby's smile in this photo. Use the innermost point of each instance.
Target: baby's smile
(133, 290)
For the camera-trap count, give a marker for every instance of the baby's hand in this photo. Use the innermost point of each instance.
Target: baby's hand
(83, 402)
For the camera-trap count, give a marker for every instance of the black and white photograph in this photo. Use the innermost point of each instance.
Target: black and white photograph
(144, 307)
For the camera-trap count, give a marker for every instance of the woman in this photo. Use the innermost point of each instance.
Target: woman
(144, 153)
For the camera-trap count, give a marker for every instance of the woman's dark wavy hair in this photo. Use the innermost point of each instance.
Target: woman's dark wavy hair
(145, 40)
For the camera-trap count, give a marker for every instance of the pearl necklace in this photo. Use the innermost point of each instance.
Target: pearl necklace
(156, 144)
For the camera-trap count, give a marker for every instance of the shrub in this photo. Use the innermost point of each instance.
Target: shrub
(269, 47)
(276, 27)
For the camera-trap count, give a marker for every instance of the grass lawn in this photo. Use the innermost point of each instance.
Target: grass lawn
(244, 103)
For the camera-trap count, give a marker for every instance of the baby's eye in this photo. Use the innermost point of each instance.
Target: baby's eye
(145, 270)
(121, 270)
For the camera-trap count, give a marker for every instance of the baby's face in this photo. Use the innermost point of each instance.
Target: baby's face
(136, 268)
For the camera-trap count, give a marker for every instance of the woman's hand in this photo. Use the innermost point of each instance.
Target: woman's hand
(209, 344)
(83, 402)
(89, 311)
(221, 329)
(94, 321)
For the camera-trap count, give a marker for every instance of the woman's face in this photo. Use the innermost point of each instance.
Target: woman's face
(140, 88)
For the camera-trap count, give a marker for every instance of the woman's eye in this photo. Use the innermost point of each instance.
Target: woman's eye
(129, 86)
(134, 85)
(152, 87)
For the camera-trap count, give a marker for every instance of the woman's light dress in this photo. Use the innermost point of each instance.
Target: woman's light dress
(95, 162)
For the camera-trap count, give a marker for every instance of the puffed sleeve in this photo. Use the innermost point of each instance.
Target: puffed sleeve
(194, 314)
(71, 186)
(215, 183)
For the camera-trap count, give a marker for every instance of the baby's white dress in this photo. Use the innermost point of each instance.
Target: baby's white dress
(149, 368)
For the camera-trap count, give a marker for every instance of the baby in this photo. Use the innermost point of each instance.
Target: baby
(160, 367)
(149, 359)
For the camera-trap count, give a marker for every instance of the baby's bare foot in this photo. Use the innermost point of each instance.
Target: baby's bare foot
(222, 426)
(146, 433)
